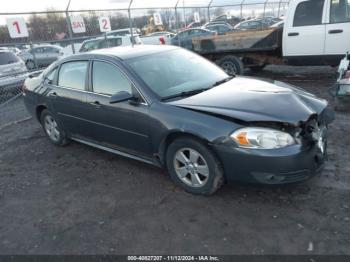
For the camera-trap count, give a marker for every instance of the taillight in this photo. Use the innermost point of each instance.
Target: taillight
(162, 40)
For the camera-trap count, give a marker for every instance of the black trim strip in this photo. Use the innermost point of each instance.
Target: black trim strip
(116, 128)
(114, 151)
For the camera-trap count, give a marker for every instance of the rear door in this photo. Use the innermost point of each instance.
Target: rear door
(68, 97)
(338, 29)
(304, 30)
(124, 125)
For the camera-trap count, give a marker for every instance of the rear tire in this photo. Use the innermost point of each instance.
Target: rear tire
(232, 65)
(193, 167)
(53, 129)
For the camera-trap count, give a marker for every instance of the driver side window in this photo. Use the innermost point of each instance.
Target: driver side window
(107, 79)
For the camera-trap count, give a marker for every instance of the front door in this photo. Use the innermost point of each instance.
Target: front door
(123, 125)
(304, 33)
(338, 29)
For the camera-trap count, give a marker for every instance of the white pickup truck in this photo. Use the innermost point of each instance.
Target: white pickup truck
(315, 32)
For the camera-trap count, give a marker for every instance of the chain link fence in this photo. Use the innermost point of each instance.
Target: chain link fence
(50, 35)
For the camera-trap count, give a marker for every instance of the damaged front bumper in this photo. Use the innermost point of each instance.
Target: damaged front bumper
(279, 166)
(290, 164)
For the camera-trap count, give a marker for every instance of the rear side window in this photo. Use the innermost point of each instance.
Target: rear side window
(73, 75)
(340, 11)
(308, 13)
(107, 79)
(8, 58)
(39, 50)
(51, 50)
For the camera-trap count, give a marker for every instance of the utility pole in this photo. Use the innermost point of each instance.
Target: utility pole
(183, 5)
(70, 32)
(211, 1)
(130, 24)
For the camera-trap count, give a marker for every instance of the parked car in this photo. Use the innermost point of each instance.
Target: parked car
(216, 23)
(13, 72)
(124, 32)
(13, 49)
(279, 24)
(184, 38)
(231, 20)
(253, 24)
(44, 56)
(270, 20)
(219, 28)
(162, 33)
(105, 42)
(193, 25)
(172, 108)
(157, 38)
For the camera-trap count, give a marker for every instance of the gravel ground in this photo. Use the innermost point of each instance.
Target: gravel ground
(80, 200)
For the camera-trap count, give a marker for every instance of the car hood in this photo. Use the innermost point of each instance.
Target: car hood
(253, 100)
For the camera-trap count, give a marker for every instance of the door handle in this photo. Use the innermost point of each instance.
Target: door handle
(335, 31)
(53, 94)
(293, 34)
(96, 104)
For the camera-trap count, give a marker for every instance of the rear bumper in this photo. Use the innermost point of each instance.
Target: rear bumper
(280, 166)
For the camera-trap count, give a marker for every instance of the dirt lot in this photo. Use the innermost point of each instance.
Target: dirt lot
(80, 200)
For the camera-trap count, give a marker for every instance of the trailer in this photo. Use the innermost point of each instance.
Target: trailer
(239, 49)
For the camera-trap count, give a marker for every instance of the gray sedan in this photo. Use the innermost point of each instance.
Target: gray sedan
(41, 56)
(169, 107)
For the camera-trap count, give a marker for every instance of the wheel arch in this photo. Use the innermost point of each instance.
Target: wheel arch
(38, 110)
(172, 136)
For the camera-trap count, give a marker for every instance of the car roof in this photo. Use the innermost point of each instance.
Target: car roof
(102, 38)
(40, 46)
(127, 52)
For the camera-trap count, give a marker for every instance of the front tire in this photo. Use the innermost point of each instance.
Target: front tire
(193, 167)
(52, 129)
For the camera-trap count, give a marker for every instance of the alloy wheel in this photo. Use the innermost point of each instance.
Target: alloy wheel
(191, 167)
(51, 128)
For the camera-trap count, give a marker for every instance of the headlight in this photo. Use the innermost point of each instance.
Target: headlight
(262, 138)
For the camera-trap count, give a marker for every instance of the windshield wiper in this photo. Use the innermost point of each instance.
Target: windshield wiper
(222, 81)
(186, 93)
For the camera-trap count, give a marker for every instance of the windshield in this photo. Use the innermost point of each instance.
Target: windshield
(175, 72)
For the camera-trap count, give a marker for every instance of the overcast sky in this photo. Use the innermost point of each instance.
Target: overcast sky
(42, 5)
(13, 6)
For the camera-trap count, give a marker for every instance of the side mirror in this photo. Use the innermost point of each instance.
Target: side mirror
(121, 97)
